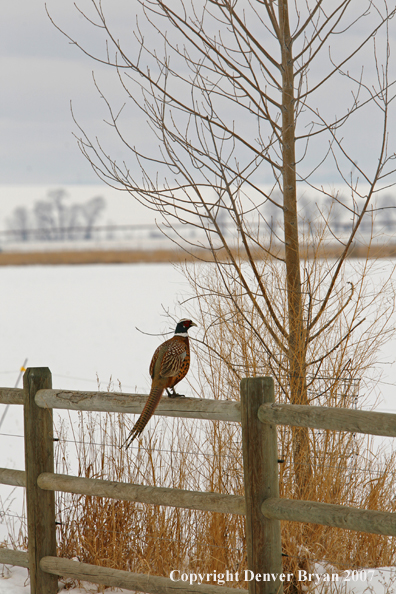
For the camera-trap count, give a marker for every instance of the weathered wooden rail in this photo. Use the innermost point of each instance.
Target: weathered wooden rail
(262, 506)
(41, 482)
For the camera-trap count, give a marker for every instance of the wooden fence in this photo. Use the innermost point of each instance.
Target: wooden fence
(262, 506)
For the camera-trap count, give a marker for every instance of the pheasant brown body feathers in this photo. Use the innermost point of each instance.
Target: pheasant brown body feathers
(169, 365)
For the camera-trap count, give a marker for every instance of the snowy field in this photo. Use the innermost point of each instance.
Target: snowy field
(80, 321)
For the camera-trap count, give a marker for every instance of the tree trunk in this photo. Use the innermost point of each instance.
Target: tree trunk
(297, 331)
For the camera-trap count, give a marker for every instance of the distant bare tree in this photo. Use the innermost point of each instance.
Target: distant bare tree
(89, 212)
(236, 97)
(55, 220)
(49, 216)
(20, 224)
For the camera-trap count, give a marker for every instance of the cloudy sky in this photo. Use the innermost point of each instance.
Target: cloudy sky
(41, 73)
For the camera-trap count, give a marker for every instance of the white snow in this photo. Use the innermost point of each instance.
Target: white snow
(15, 580)
(80, 321)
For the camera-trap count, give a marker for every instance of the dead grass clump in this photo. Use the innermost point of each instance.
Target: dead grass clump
(146, 538)
(346, 468)
(208, 456)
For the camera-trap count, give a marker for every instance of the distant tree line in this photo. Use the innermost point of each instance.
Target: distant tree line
(314, 213)
(54, 219)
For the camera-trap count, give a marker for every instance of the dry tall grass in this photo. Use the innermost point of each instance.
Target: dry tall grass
(207, 456)
(146, 538)
(346, 468)
(113, 256)
(181, 454)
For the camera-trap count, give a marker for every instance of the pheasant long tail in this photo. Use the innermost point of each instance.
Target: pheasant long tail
(149, 408)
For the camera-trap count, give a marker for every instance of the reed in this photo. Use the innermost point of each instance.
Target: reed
(347, 469)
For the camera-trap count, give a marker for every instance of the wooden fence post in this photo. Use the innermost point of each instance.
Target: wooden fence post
(260, 461)
(39, 457)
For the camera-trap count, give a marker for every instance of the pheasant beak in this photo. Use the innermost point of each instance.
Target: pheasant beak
(193, 324)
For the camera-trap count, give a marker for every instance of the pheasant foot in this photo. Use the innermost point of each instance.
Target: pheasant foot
(174, 394)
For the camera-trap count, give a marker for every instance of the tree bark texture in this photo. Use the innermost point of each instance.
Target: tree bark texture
(297, 331)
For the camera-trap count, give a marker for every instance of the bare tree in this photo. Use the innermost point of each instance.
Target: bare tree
(249, 100)
(90, 212)
(53, 219)
(52, 216)
(19, 223)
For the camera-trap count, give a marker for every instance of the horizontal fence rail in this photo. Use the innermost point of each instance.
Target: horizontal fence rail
(329, 514)
(203, 501)
(315, 417)
(11, 557)
(11, 396)
(192, 408)
(16, 478)
(215, 502)
(115, 578)
(335, 419)
(261, 504)
(126, 579)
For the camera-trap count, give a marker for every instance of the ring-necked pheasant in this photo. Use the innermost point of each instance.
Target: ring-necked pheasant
(168, 367)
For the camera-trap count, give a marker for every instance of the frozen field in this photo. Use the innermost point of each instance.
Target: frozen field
(81, 323)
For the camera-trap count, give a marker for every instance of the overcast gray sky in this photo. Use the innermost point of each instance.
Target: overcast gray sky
(40, 74)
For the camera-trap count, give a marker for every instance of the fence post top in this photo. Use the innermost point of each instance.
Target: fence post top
(39, 377)
(265, 381)
(37, 371)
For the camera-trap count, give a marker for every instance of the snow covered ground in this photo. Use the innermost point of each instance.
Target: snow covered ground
(80, 321)
(15, 580)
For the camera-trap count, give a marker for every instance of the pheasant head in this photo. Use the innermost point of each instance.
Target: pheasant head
(183, 326)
